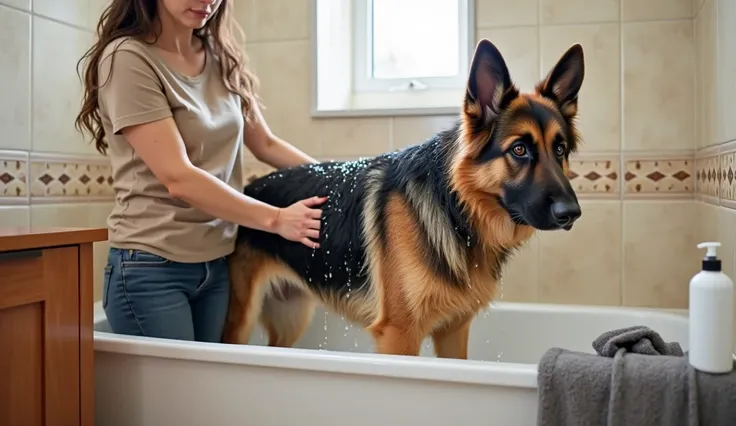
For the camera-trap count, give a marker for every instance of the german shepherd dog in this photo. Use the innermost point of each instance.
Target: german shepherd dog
(412, 242)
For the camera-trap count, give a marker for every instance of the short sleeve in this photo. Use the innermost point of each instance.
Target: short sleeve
(131, 93)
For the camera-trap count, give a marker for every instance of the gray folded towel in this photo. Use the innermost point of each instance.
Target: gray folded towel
(573, 388)
(638, 339)
(631, 389)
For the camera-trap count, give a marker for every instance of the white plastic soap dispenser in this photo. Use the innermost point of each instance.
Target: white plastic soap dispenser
(711, 316)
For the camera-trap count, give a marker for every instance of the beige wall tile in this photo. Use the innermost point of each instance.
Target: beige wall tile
(502, 13)
(599, 109)
(658, 85)
(697, 4)
(12, 216)
(726, 23)
(726, 235)
(409, 131)
(578, 11)
(355, 137)
(20, 4)
(74, 12)
(651, 10)
(727, 252)
(698, 90)
(56, 88)
(520, 49)
(96, 7)
(15, 75)
(283, 71)
(707, 76)
(707, 227)
(660, 253)
(279, 20)
(583, 265)
(520, 282)
(72, 215)
(245, 16)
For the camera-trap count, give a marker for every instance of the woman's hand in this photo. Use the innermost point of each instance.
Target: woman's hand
(299, 222)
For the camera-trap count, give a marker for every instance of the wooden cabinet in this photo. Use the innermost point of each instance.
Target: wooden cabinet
(46, 336)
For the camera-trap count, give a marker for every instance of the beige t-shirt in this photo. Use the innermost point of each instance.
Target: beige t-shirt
(141, 89)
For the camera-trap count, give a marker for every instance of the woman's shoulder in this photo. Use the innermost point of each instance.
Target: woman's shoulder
(128, 45)
(125, 53)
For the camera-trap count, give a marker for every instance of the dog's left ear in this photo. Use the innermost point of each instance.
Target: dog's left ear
(563, 82)
(488, 82)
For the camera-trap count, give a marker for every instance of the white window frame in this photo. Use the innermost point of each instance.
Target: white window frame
(363, 48)
(339, 47)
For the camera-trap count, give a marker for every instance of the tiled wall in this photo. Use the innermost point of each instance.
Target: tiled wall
(49, 176)
(715, 39)
(635, 244)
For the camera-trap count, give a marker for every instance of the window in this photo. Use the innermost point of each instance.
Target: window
(391, 56)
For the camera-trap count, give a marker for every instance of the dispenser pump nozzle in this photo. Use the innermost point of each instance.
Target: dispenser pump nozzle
(711, 262)
(711, 246)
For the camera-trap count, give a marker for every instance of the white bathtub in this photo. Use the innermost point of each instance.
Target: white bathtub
(159, 382)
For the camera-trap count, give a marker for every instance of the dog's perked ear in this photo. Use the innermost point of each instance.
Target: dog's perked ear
(563, 82)
(489, 83)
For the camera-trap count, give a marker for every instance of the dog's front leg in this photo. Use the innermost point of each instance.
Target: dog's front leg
(397, 340)
(452, 341)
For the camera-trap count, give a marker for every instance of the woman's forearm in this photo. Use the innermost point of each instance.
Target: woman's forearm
(278, 154)
(209, 194)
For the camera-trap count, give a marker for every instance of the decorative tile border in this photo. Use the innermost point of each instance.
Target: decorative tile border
(41, 178)
(599, 176)
(595, 177)
(56, 176)
(716, 174)
(658, 175)
(50, 178)
(708, 176)
(13, 177)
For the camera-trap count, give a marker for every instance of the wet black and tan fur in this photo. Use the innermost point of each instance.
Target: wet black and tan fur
(413, 242)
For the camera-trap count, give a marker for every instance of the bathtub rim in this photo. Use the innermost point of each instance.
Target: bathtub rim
(475, 372)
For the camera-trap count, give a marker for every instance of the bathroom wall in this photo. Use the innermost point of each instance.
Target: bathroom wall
(49, 176)
(635, 243)
(715, 40)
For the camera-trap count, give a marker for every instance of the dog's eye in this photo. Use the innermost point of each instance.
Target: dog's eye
(519, 150)
(560, 150)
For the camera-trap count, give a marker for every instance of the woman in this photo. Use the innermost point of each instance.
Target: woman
(168, 95)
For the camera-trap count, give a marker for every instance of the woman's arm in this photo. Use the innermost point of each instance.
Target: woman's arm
(134, 99)
(269, 148)
(160, 146)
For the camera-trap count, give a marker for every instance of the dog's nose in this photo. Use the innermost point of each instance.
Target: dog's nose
(565, 213)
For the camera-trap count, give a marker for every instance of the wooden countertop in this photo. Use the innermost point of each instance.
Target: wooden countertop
(25, 238)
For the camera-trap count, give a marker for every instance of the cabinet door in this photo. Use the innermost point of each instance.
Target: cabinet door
(39, 337)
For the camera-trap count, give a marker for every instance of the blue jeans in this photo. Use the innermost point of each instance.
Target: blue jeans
(147, 295)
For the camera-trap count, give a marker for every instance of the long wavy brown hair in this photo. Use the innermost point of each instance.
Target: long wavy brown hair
(137, 19)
